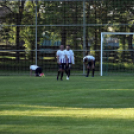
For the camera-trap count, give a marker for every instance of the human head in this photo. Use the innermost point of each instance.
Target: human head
(85, 60)
(61, 47)
(68, 47)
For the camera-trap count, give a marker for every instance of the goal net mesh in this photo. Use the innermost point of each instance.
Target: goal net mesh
(117, 54)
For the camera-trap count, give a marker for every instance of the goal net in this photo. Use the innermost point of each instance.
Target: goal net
(117, 53)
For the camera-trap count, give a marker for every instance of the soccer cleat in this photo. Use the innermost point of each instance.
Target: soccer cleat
(86, 76)
(67, 78)
(57, 78)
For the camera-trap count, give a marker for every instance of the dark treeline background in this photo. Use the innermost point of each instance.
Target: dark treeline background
(61, 22)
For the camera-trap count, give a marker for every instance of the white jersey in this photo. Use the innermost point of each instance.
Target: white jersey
(68, 54)
(89, 57)
(33, 67)
(61, 55)
(72, 56)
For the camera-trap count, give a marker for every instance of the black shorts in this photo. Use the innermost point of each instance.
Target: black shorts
(61, 66)
(90, 63)
(38, 71)
(68, 66)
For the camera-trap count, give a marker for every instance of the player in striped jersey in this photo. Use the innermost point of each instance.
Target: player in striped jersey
(69, 55)
(61, 61)
(72, 59)
(90, 61)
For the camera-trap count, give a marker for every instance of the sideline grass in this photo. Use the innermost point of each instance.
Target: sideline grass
(99, 105)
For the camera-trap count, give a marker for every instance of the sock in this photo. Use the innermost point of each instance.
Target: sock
(93, 72)
(66, 71)
(61, 75)
(88, 71)
(58, 74)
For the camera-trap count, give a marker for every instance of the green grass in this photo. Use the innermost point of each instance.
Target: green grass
(99, 105)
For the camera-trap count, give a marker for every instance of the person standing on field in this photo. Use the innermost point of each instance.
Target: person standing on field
(61, 61)
(70, 60)
(37, 69)
(89, 60)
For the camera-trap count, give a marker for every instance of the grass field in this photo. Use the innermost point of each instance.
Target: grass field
(99, 105)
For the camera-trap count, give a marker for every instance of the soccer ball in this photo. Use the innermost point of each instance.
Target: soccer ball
(42, 75)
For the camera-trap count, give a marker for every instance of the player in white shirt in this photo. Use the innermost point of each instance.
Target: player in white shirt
(37, 69)
(61, 61)
(90, 61)
(72, 55)
(69, 54)
(68, 61)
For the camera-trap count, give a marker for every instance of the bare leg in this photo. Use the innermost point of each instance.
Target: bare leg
(62, 74)
(88, 71)
(58, 74)
(93, 70)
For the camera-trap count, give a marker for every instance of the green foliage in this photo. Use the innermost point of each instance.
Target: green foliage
(68, 12)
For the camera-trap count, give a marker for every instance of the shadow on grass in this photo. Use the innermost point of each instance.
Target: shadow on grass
(79, 92)
(79, 106)
(79, 98)
(64, 125)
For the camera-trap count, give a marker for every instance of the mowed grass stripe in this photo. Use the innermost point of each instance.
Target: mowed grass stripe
(99, 105)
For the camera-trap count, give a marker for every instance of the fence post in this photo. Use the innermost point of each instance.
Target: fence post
(101, 56)
(36, 33)
(84, 33)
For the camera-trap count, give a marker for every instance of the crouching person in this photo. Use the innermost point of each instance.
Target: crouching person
(38, 70)
(89, 60)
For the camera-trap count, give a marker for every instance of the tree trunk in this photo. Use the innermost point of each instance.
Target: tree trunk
(17, 38)
(18, 22)
(123, 52)
(63, 30)
(130, 43)
(130, 47)
(87, 32)
(63, 37)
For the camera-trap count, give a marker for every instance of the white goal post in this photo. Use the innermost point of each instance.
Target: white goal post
(102, 40)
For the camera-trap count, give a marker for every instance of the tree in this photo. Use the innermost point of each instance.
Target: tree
(61, 13)
(17, 15)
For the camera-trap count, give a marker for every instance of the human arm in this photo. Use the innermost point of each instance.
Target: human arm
(72, 57)
(84, 60)
(66, 58)
(57, 55)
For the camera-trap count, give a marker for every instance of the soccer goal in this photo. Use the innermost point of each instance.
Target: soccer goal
(117, 53)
